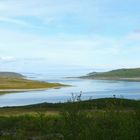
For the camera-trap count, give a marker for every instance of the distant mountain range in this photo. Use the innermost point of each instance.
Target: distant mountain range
(124, 74)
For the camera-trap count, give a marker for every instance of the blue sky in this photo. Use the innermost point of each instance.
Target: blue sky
(81, 33)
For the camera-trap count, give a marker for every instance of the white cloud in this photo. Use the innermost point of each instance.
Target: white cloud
(134, 36)
(7, 58)
(64, 49)
(12, 20)
(44, 11)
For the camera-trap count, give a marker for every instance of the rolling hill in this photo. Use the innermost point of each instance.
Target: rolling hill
(120, 74)
(10, 74)
(10, 81)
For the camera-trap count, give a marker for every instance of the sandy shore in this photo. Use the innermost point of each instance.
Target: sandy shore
(22, 90)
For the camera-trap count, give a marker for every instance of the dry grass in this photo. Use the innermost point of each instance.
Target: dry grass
(21, 83)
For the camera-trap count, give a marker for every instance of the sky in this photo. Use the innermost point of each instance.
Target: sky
(41, 34)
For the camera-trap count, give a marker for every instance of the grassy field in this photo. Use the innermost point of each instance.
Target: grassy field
(128, 74)
(13, 84)
(100, 119)
(20, 83)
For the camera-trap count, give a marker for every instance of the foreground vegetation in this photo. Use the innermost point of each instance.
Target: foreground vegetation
(15, 82)
(124, 74)
(100, 119)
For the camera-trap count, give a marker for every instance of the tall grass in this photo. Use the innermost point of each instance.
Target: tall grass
(77, 122)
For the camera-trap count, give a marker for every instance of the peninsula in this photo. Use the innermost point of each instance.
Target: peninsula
(119, 74)
(12, 82)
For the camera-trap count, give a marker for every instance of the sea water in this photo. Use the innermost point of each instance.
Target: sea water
(90, 89)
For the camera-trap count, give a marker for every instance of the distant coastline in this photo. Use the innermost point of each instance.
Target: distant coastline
(119, 74)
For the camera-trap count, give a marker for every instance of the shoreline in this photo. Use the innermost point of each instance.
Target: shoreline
(117, 79)
(26, 90)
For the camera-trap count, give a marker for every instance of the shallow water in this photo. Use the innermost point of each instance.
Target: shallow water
(90, 89)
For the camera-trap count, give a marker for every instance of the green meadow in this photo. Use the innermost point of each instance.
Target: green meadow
(98, 119)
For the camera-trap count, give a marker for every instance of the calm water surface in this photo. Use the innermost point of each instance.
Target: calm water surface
(90, 89)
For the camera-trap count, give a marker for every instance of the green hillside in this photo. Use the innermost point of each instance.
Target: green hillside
(116, 74)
